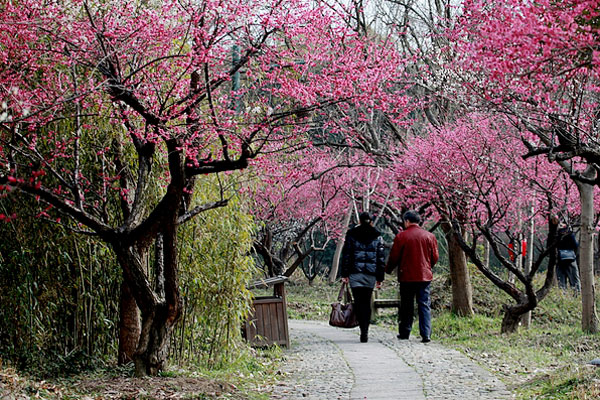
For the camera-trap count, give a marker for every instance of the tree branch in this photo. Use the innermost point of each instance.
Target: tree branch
(197, 210)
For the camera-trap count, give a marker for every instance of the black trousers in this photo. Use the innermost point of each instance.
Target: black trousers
(362, 307)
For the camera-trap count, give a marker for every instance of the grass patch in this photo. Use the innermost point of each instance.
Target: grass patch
(547, 361)
(569, 382)
(311, 302)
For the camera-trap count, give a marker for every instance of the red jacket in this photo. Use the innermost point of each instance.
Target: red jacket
(414, 252)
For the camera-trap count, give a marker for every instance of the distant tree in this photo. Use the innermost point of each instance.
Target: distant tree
(300, 201)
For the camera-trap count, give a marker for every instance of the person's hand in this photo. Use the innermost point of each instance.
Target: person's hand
(345, 280)
(378, 285)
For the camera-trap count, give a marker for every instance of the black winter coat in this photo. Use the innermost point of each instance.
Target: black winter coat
(363, 252)
(566, 240)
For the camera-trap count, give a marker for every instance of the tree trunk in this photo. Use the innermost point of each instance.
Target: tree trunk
(153, 349)
(159, 313)
(526, 300)
(338, 248)
(589, 321)
(510, 321)
(528, 263)
(129, 325)
(486, 253)
(462, 291)
(335, 266)
(596, 255)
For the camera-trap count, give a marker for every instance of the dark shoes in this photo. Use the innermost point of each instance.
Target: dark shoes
(364, 338)
(424, 340)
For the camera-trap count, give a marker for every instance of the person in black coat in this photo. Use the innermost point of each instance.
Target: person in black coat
(567, 258)
(363, 267)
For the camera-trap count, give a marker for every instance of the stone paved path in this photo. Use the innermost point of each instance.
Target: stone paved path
(330, 363)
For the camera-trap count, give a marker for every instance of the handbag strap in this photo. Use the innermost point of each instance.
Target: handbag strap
(347, 292)
(349, 295)
(341, 294)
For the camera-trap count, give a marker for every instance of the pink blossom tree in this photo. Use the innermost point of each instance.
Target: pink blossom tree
(538, 63)
(111, 111)
(320, 189)
(472, 173)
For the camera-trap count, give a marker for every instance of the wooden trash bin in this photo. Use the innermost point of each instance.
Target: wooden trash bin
(267, 323)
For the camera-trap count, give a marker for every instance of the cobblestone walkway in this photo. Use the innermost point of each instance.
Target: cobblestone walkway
(329, 363)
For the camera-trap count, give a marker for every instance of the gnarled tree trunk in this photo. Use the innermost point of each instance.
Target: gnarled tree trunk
(462, 291)
(511, 319)
(159, 302)
(525, 300)
(129, 325)
(153, 348)
(510, 322)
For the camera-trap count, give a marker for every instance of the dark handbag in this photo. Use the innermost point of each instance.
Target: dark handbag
(342, 314)
(566, 255)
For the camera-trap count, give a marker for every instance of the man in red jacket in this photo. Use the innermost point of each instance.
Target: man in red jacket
(414, 253)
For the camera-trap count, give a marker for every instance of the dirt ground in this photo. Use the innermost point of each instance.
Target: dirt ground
(13, 386)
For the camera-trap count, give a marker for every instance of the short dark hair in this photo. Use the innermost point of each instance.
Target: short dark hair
(365, 217)
(412, 216)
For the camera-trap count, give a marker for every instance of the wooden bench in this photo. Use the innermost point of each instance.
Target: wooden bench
(267, 323)
(386, 303)
(377, 303)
